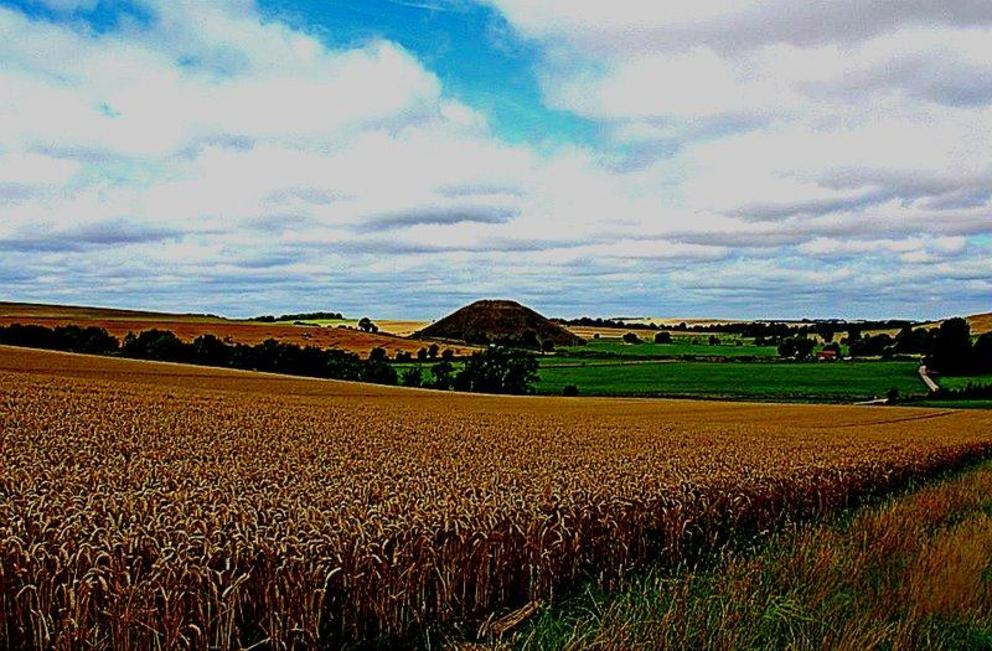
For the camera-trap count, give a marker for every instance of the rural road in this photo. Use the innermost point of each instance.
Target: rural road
(927, 379)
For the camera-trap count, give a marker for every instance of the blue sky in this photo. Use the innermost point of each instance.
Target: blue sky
(477, 55)
(735, 159)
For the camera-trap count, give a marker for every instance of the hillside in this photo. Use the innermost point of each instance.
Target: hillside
(980, 323)
(188, 327)
(499, 320)
(86, 313)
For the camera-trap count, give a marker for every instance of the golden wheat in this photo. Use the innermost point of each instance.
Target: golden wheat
(149, 505)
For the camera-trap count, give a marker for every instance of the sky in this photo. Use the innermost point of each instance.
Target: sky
(400, 158)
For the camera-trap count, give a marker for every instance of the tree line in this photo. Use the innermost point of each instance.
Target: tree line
(947, 349)
(494, 370)
(301, 316)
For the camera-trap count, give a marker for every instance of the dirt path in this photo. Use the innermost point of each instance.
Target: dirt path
(927, 380)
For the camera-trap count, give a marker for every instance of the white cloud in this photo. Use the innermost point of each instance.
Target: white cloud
(218, 154)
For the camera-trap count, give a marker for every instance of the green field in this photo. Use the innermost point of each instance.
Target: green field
(962, 382)
(786, 381)
(695, 346)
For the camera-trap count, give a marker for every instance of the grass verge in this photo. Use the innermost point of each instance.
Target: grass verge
(911, 572)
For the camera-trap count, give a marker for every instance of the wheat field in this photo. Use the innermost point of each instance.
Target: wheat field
(147, 505)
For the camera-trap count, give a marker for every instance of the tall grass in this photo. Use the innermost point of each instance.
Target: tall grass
(912, 573)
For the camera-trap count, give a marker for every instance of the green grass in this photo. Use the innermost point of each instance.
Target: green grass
(962, 382)
(678, 347)
(776, 381)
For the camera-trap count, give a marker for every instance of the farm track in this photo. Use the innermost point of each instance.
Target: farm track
(146, 505)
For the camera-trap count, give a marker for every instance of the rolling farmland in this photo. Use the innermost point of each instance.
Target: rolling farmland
(189, 327)
(146, 504)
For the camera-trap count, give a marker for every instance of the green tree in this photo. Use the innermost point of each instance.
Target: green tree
(412, 377)
(442, 372)
(498, 370)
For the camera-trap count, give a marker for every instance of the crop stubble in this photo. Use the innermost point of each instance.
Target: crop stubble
(146, 505)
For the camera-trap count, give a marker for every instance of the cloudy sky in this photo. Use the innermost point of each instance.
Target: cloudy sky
(687, 157)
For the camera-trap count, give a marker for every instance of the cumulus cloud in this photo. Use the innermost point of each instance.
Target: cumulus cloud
(211, 154)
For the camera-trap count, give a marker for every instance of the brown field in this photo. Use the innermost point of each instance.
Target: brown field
(188, 328)
(398, 327)
(148, 505)
(980, 323)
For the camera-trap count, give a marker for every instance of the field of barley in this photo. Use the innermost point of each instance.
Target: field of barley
(147, 505)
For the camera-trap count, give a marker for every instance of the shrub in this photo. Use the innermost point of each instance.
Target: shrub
(412, 377)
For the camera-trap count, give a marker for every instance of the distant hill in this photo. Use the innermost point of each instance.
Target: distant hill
(980, 323)
(492, 321)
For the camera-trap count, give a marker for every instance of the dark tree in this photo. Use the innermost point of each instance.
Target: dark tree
(422, 354)
(871, 346)
(800, 348)
(714, 340)
(432, 351)
(442, 375)
(548, 346)
(910, 340)
(826, 331)
(951, 351)
(631, 338)
(983, 353)
(377, 369)
(365, 324)
(211, 351)
(570, 391)
(663, 338)
(498, 370)
(160, 345)
(412, 377)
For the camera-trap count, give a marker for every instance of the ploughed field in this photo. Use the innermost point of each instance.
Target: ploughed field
(146, 505)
